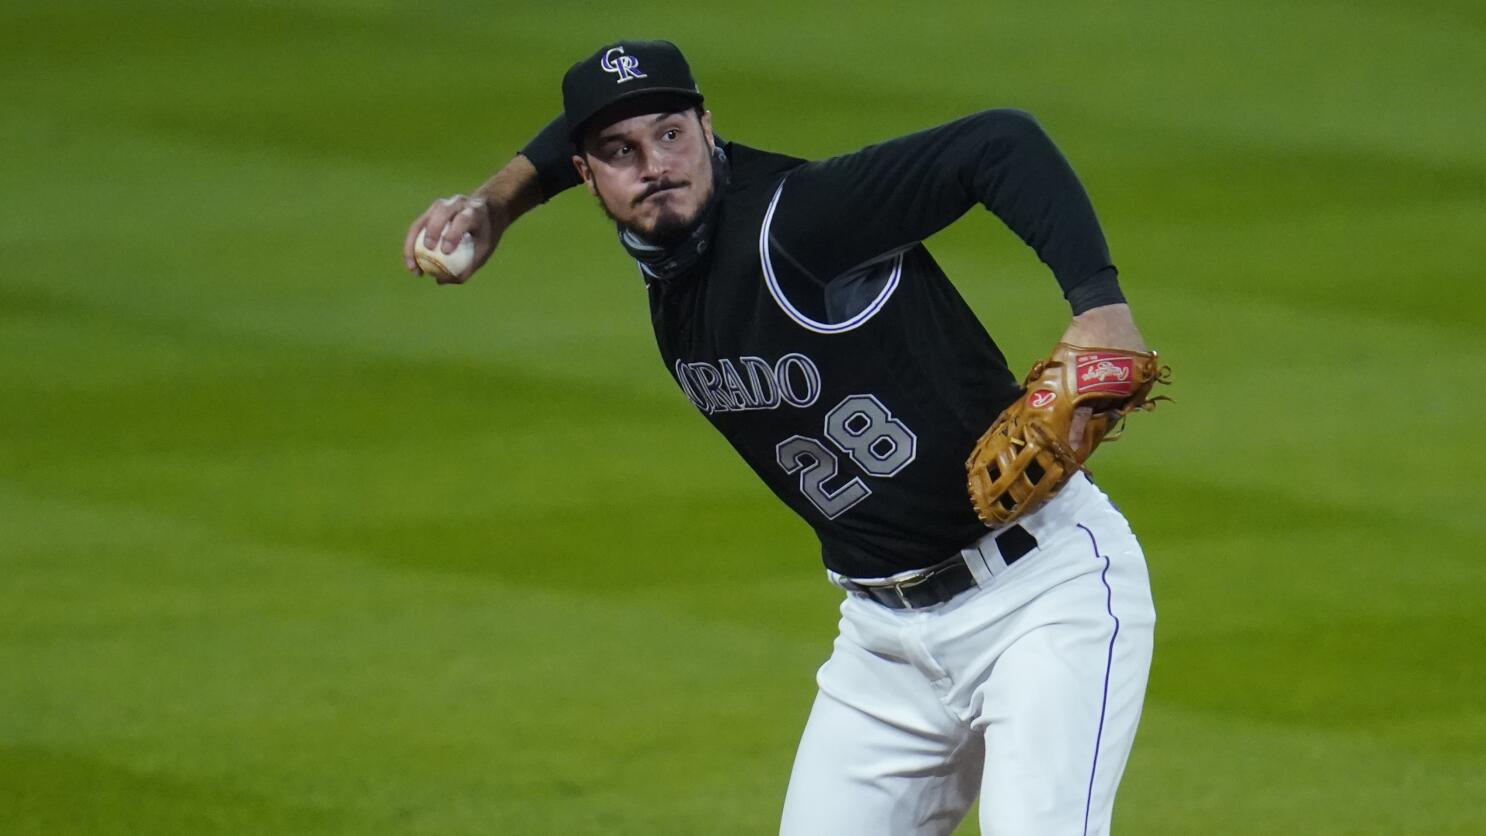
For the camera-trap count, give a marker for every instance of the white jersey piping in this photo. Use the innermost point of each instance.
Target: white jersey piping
(794, 313)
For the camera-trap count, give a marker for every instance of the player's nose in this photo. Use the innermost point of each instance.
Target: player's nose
(654, 166)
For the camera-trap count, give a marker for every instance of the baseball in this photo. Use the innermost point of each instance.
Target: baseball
(446, 265)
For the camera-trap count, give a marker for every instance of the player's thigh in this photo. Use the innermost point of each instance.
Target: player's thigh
(880, 754)
(854, 774)
(1064, 700)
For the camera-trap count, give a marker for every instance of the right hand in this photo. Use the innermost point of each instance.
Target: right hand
(455, 216)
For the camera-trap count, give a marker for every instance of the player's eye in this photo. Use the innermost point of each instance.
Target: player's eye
(671, 134)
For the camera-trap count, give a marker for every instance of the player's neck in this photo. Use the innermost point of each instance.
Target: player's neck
(668, 260)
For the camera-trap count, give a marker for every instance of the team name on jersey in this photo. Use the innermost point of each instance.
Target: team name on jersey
(749, 383)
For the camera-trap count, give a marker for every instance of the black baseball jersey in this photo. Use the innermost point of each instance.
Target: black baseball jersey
(821, 338)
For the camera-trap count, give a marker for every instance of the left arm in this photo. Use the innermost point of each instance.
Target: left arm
(837, 214)
(843, 212)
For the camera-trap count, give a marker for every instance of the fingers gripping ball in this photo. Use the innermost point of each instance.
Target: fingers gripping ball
(445, 265)
(1027, 455)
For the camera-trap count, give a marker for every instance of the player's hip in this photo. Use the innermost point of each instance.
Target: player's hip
(1073, 555)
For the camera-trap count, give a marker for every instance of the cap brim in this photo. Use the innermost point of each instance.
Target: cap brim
(635, 103)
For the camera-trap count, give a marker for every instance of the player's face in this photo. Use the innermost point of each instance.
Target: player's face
(653, 172)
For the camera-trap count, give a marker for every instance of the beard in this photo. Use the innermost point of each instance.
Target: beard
(670, 226)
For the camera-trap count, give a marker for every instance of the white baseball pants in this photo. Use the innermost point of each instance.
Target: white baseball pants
(1026, 691)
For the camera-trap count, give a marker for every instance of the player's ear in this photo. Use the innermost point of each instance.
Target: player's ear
(706, 120)
(585, 172)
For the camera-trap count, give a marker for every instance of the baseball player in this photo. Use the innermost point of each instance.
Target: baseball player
(995, 634)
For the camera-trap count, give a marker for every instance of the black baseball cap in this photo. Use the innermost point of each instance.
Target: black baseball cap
(624, 72)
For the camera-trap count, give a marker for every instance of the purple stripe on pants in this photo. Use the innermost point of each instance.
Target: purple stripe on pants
(1108, 666)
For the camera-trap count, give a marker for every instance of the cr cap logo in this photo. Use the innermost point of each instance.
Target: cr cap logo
(627, 67)
(1041, 398)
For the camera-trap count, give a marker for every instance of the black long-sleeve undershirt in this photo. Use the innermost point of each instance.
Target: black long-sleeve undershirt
(551, 153)
(837, 214)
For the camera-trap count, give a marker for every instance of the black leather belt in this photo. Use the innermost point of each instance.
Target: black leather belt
(937, 584)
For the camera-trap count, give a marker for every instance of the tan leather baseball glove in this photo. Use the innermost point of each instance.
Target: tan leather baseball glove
(1030, 453)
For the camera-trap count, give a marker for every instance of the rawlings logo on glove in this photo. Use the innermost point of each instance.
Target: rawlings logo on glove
(1030, 453)
(1100, 372)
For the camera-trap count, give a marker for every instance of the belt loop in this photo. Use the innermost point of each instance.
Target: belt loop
(975, 559)
(992, 552)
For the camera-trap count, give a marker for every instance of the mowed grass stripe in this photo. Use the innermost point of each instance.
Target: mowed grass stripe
(1189, 765)
(276, 679)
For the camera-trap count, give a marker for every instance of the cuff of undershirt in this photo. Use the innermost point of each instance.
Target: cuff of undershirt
(1099, 289)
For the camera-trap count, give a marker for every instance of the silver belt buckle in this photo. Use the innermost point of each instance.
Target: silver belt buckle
(898, 583)
(909, 583)
(904, 580)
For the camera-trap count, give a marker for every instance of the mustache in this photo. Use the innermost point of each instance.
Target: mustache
(660, 186)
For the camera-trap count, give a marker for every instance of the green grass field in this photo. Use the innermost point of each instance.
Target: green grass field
(291, 542)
